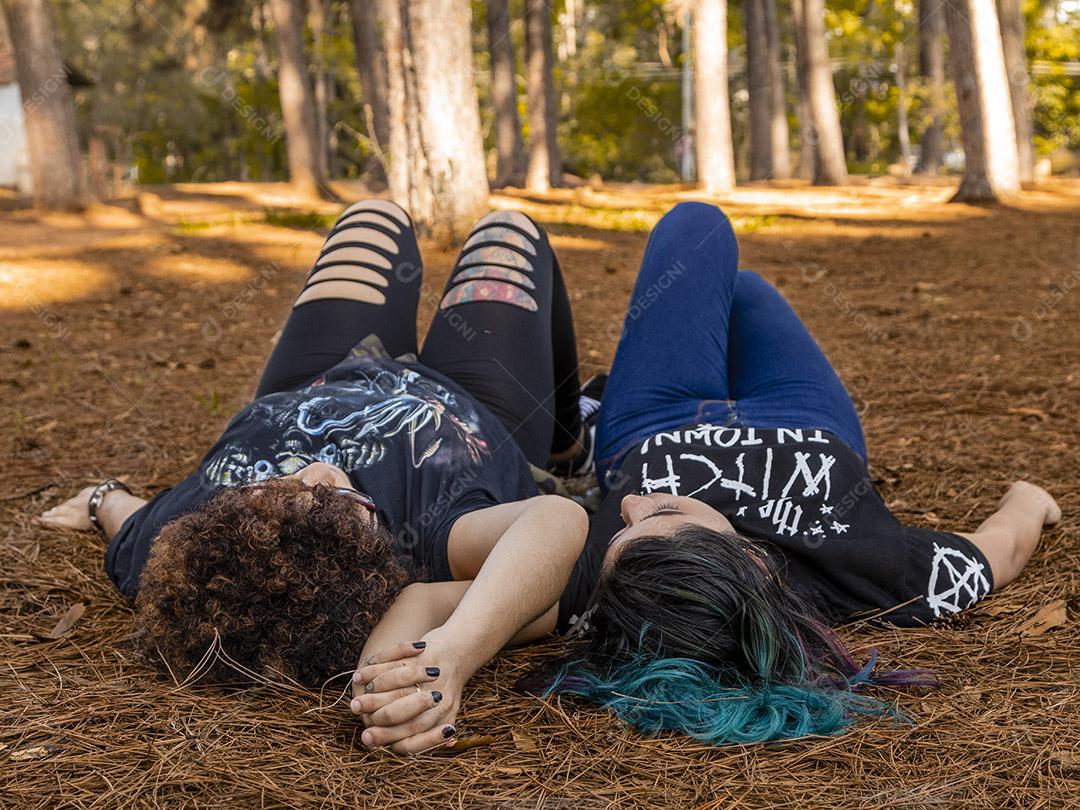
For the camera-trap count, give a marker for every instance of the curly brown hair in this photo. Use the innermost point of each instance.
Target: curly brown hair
(290, 578)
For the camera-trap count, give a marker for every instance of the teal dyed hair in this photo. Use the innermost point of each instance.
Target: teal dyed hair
(688, 696)
(697, 633)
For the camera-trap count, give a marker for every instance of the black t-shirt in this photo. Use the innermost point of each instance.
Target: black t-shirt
(809, 499)
(416, 442)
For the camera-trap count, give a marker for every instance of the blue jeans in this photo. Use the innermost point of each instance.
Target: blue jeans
(706, 342)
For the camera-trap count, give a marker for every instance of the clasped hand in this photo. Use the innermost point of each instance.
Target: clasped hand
(408, 696)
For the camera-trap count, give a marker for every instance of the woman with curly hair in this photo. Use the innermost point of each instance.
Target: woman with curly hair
(369, 497)
(741, 520)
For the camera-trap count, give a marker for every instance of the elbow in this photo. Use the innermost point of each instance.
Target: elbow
(569, 520)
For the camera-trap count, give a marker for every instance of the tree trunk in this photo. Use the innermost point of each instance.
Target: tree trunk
(768, 121)
(1013, 30)
(760, 90)
(297, 101)
(48, 111)
(509, 151)
(807, 151)
(830, 165)
(982, 94)
(858, 140)
(570, 27)
(715, 154)
(545, 165)
(903, 133)
(436, 149)
(932, 69)
(685, 145)
(371, 65)
(778, 129)
(321, 81)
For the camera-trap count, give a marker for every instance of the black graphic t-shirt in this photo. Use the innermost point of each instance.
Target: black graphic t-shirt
(809, 499)
(416, 442)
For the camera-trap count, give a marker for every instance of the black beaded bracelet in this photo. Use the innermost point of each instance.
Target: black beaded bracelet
(98, 495)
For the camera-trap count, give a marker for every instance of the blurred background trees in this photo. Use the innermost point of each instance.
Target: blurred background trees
(545, 93)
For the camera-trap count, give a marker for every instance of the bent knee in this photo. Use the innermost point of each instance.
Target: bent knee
(691, 224)
(499, 262)
(694, 213)
(750, 280)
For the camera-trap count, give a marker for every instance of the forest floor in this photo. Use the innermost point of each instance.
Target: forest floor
(131, 333)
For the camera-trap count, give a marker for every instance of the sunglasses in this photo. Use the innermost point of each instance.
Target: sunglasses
(365, 500)
(361, 498)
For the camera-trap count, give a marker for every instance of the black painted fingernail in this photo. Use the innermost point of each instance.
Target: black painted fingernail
(432, 672)
(436, 696)
(448, 732)
(419, 645)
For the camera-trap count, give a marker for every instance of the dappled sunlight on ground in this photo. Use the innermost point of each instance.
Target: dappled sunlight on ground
(30, 285)
(198, 200)
(214, 233)
(67, 235)
(199, 268)
(257, 233)
(577, 243)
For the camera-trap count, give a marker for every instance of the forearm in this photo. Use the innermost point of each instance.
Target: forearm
(419, 609)
(522, 578)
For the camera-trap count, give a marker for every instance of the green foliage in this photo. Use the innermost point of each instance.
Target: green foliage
(192, 226)
(864, 35)
(307, 220)
(624, 126)
(186, 226)
(622, 119)
(182, 96)
(1051, 41)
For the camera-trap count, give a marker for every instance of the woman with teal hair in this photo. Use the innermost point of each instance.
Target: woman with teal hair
(740, 519)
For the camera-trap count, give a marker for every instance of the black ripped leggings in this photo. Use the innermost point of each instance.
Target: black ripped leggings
(503, 330)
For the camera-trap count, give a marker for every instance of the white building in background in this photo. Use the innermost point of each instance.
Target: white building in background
(14, 157)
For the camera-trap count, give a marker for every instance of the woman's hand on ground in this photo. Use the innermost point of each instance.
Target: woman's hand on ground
(1032, 497)
(71, 514)
(409, 696)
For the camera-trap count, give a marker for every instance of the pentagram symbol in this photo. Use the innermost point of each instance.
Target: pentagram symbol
(956, 581)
